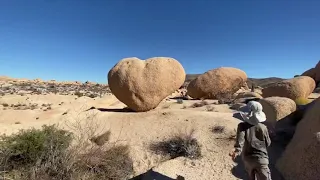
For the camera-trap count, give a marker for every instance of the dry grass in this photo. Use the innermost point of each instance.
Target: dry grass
(184, 145)
(218, 129)
(101, 139)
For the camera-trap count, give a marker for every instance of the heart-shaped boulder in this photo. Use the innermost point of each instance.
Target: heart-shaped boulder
(142, 85)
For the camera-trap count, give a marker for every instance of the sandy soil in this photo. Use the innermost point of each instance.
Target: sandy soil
(139, 130)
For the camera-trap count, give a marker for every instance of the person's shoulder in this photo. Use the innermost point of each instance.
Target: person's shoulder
(262, 126)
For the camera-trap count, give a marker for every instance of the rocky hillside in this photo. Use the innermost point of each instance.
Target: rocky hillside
(37, 86)
(262, 82)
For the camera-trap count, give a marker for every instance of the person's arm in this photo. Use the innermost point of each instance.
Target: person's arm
(239, 139)
(267, 137)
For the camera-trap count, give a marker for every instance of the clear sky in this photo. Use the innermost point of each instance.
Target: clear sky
(83, 39)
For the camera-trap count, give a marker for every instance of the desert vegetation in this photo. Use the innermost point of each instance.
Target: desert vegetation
(23, 88)
(52, 153)
(178, 145)
(148, 120)
(218, 129)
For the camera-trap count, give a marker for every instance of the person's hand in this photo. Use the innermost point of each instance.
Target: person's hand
(233, 155)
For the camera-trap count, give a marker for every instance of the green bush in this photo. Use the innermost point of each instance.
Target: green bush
(47, 153)
(79, 94)
(32, 146)
(302, 101)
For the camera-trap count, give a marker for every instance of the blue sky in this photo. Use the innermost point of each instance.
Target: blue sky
(83, 39)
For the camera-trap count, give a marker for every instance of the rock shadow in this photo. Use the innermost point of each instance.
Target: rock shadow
(123, 110)
(150, 174)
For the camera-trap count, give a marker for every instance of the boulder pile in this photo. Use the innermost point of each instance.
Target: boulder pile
(277, 108)
(314, 73)
(301, 158)
(298, 87)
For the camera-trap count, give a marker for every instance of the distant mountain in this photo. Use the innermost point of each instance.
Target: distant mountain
(263, 82)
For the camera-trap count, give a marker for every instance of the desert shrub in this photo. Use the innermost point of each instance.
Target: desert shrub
(5, 104)
(93, 95)
(184, 145)
(33, 106)
(218, 129)
(78, 93)
(107, 163)
(226, 98)
(302, 101)
(199, 104)
(45, 105)
(48, 153)
(101, 139)
(34, 150)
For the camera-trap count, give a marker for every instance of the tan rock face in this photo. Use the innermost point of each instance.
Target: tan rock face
(224, 80)
(294, 88)
(301, 158)
(277, 108)
(142, 85)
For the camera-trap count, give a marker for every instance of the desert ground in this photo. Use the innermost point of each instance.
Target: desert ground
(138, 130)
(24, 108)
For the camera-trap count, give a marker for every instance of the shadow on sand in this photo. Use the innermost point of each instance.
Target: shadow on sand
(152, 175)
(111, 109)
